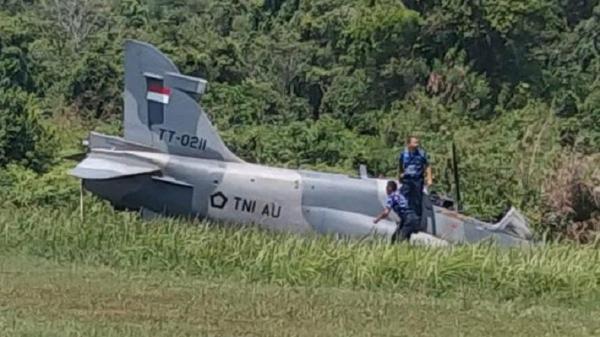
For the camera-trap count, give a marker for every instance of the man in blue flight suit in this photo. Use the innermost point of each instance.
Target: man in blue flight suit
(397, 202)
(413, 171)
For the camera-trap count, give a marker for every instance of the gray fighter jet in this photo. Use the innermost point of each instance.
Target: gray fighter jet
(172, 161)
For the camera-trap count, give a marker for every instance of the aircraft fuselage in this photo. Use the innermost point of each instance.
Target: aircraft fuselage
(274, 198)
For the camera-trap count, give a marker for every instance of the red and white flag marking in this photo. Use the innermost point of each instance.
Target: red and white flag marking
(158, 93)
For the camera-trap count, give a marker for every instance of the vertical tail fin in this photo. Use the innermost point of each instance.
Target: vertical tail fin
(161, 109)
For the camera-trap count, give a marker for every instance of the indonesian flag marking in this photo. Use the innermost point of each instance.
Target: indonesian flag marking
(158, 94)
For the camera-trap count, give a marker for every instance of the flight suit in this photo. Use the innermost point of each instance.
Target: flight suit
(413, 164)
(409, 221)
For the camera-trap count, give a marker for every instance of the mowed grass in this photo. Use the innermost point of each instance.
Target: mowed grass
(43, 298)
(122, 240)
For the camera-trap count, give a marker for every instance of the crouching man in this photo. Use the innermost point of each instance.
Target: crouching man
(397, 202)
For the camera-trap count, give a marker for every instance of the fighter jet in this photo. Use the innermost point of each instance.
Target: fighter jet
(171, 161)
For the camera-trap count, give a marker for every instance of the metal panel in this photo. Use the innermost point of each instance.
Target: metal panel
(101, 166)
(185, 83)
(340, 192)
(330, 221)
(269, 197)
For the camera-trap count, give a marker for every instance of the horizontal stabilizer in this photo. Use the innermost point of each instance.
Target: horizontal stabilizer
(185, 83)
(103, 166)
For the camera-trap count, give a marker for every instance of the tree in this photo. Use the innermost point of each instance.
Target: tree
(15, 64)
(75, 19)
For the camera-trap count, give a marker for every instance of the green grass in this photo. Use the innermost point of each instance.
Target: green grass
(123, 241)
(116, 275)
(43, 298)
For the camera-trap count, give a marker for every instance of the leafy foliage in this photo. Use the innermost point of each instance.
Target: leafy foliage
(23, 139)
(25, 188)
(331, 84)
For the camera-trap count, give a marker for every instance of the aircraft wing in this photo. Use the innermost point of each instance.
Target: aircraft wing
(99, 166)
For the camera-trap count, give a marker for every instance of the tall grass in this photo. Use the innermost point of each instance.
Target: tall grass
(123, 240)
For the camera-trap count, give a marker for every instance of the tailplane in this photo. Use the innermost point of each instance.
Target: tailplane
(161, 109)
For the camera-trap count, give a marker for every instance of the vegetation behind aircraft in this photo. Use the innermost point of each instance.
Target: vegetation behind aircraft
(321, 84)
(329, 85)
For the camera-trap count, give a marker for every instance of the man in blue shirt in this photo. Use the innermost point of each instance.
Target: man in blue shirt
(414, 171)
(397, 202)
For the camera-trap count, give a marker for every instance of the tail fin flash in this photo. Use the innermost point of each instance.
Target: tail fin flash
(161, 110)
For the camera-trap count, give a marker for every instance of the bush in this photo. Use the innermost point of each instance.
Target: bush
(95, 88)
(571, 201)
(22, 187)
(23, 138)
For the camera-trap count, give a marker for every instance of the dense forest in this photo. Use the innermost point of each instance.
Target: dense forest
(328, 85)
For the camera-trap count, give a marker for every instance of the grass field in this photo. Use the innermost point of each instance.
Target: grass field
(115, 275)
(42, 298)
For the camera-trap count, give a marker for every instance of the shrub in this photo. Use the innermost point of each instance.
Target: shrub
(23, 138)
(95, 88)
(23, 187)
(571, 200)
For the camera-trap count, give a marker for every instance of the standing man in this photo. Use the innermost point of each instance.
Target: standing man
(409, 222)
(414, 173)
